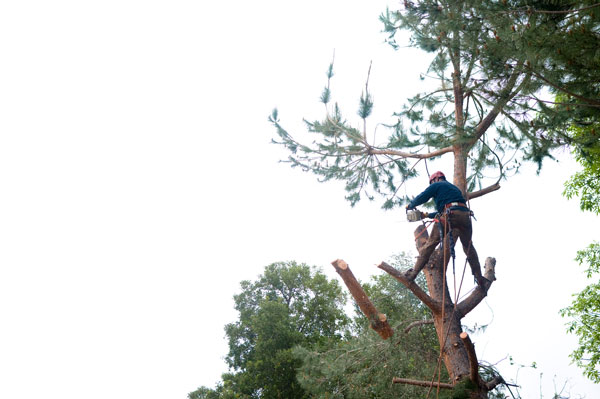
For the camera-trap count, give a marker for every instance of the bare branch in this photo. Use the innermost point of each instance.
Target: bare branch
(403, 154)
(411, 285)
(416, 324)
(366, 97)
(427, 384)
(484, 191)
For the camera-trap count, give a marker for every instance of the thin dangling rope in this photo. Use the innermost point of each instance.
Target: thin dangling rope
(457, 294)
(444, 337)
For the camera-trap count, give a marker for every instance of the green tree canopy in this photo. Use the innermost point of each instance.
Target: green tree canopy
(494, 66)
(584, 315)
(584, 311)
(585, 184)
(289, 304)
(362, 366)
(491, 62)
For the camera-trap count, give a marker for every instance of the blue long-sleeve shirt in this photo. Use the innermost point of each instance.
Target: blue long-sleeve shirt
(443, 193)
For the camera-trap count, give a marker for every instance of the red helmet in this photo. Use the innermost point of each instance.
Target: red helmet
(436, 175)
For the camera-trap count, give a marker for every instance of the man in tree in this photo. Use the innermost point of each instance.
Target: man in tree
(453, 217)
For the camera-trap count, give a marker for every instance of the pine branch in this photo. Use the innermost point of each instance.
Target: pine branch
(590, 102)
(484, 191)
(530, 10)
(505, 96)
(403, 154)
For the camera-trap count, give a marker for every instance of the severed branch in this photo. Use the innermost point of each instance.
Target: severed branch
(411, 285)
(427, 384)
(416, 324)
(377, 320)
(470, 302)
(484, 191)
(473, 364)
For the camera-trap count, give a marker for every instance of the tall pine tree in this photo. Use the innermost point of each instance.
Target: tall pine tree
(494, 63)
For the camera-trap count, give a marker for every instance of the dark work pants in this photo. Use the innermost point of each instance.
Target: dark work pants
(460, 221)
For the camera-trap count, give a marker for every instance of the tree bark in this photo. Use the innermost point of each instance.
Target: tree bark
(482, 192)
(378, 321)
(472, 358)
(470, 302)
(446, 315)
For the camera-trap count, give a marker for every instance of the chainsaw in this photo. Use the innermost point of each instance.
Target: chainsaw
(414, 215)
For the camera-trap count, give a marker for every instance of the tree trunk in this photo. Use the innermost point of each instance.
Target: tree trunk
(460, 168)
(457, 351)
(447, 317)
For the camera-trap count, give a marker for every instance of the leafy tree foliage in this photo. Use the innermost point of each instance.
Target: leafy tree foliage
(585, 184)
(206, 393)
(584, 312)
(362, 366)
(289, 304)
(492, 61)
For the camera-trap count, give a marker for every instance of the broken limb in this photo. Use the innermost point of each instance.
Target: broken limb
(397, 380)
(411, 285)
(470, 302)
(377, 320)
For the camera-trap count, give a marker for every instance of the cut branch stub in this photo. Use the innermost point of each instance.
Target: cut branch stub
(474, 366)
(377, 320)
(490, 269)
(487, 190)
(473, 363)
(470, 302)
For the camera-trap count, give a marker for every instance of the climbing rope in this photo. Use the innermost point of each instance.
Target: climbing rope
(443, 343)
(448, 230)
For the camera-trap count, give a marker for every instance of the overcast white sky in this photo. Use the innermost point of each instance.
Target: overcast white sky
(138, 188)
